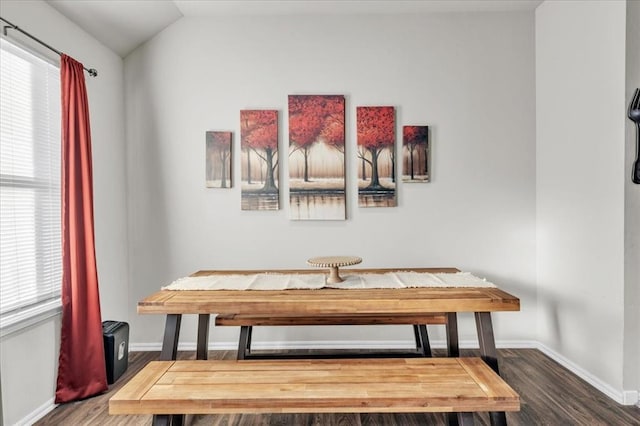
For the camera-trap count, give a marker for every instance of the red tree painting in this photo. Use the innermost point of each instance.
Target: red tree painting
(306, 121)
(333, 129)
(415, 150)
(376, 146)
(218, 164)
(316, 156)
(259, 144)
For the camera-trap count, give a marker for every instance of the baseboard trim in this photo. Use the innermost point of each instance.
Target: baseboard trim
(38, 413)
(621, 397)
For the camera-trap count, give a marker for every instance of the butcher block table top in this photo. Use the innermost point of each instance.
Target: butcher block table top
(327, 302)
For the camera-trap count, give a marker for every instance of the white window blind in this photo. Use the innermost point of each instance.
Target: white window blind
(30, 239)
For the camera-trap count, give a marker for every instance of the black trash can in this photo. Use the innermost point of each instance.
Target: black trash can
(116, 348)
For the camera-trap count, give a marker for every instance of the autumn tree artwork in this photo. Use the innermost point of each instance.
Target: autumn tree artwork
(218, 160)
(415, 154)
(317, 157)
(259, 160)
(376, 156)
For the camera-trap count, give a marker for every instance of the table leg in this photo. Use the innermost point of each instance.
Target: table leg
(249, 334)
(244, 341)
(453, 348)
(424, 338)
(416, 334)
(170, 352)
(171, 334)
(202, 351)
(489, 355)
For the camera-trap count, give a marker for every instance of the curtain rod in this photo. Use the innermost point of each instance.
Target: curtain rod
(92, 71)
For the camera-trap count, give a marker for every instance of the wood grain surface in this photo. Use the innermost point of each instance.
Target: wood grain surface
(258, 320)
(407, 301)
(306, 386)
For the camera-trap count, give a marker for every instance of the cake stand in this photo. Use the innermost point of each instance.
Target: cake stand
(334, 262)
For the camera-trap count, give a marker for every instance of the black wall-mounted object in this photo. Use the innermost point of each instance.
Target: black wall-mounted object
(116, 348)
(634, 115)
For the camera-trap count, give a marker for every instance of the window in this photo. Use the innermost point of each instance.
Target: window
(30, 239)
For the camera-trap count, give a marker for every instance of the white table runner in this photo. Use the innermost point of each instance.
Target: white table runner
(276, 281)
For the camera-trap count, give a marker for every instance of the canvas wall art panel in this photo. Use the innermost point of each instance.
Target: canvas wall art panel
(218, 161)
(259, 159)
(376, 154)
(415, 154)
(316, 157)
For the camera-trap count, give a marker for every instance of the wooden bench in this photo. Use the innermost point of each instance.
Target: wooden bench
(247, 322)
(392, 385)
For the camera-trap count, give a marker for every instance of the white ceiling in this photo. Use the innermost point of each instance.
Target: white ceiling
(122, 25)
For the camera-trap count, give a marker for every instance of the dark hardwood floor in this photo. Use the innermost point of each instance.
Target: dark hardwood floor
(549, 393)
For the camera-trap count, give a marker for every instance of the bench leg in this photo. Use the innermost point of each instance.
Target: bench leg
(459, 419)
(170, 352)
(453, 350)
(168, 420)
(202, 351)
(452, 419)
(161, 420)
(489, 355)
(465, 419)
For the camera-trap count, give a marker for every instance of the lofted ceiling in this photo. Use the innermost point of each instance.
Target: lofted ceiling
(122, 25)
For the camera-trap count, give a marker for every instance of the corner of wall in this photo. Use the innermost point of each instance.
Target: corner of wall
(632, 207)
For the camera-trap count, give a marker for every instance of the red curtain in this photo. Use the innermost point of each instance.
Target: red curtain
(81, 368)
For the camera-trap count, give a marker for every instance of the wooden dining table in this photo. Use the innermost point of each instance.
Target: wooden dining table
(330, 302)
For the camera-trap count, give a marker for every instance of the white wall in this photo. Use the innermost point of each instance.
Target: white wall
(28, 362)
(29, 369)
(632, 213)
(580, 174)
(469, 76)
